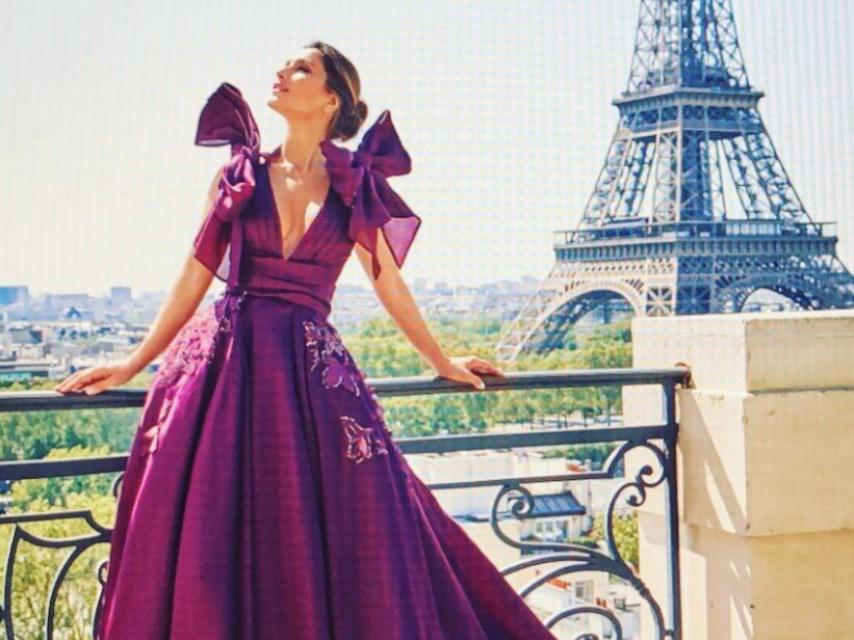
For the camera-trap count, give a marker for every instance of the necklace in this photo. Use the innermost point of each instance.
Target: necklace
(291, 167)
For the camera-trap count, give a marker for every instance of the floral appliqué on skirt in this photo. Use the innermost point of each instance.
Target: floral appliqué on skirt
(340, 371)
(194, 345)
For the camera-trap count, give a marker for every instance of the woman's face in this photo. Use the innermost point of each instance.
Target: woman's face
(299, 87)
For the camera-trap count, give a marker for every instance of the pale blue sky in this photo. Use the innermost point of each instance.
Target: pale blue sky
(503, 106)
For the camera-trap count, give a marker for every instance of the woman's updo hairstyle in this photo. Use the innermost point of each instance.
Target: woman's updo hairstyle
(343, 79)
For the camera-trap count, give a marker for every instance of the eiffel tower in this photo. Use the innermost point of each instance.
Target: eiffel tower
(657, 232)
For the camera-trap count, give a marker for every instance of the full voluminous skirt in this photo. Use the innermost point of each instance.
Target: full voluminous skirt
(264, 498)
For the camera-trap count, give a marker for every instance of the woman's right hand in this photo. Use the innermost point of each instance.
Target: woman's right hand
(94, 380)
(466, 368)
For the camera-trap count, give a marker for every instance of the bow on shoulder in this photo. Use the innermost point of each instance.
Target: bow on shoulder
(227, 119)
(359, 177)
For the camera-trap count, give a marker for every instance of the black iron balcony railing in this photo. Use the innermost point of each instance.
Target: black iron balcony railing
(557, 558)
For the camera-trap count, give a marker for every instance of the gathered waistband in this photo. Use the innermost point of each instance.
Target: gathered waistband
(235, 297)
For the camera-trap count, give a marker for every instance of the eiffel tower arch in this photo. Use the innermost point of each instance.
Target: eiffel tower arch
(661, 230)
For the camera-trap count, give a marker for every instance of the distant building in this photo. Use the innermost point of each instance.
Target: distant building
(120, 295)
(13, 294)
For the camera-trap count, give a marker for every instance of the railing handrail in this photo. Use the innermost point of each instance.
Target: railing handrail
(119, 398)
(389, 387)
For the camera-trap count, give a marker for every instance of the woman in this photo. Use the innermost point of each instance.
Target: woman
(264, 496)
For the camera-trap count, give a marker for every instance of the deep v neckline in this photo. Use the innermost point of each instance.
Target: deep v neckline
(278, 222)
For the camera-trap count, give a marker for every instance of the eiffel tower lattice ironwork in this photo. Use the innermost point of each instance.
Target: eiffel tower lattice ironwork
(657, 230)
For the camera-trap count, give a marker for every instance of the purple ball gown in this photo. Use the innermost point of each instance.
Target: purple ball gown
(264, 497)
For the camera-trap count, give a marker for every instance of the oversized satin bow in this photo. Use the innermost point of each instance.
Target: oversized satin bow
(359, 177)
(227, 119)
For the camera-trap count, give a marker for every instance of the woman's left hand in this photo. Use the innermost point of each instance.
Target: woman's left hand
(463, 368)
(94, 380)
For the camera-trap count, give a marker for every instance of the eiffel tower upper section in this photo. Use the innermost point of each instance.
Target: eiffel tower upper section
(688, 122)
(692, 211)
(688, 92)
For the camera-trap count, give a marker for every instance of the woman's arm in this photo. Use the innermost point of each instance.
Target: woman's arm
(396, 297)
(187, 293)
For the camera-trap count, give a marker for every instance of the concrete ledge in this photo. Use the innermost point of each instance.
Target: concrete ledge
(765, 471)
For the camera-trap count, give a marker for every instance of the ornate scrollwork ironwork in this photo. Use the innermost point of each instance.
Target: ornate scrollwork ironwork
(573, 557)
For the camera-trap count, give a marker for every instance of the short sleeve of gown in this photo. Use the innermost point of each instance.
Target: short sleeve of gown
(210, 246)
(401, 227)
